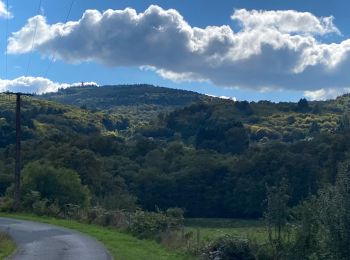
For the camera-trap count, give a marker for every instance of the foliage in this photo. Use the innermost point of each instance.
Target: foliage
(153, 224)
(276, 217)
(334, 214)
(228, 247)
(7, 246)
(277, 212)
(141, 103)
(61, 186)
(323, 229)
(308, 233)
(211, 158)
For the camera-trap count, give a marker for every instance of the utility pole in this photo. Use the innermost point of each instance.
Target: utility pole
(17, 192)
(18, 153)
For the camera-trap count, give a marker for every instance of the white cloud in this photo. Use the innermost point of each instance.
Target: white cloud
(222, 97)
(288, 21)
(229, 98)
(4, 13)
(36, 85)
(324, 94)
(272, 50)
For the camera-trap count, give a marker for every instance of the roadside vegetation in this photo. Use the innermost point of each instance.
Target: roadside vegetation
(7, 246)
(120, 244)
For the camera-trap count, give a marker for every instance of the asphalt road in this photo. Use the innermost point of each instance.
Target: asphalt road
(36, 241)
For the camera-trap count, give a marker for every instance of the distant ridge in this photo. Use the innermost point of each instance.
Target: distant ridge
(111, 96)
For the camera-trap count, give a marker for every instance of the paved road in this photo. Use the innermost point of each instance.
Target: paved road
(38, 241)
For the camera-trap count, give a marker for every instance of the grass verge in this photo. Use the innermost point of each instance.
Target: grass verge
(122, 246)
(7, 246)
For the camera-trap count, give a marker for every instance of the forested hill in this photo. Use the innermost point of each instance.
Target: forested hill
(138, 102)
(108, 97)
(209, 156)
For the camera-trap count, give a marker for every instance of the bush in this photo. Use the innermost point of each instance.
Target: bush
(40, 207)
(60, 186)
(100, 216)
(151, 225)
(6, 204)
(228, 247)
(29, 198)
(53, 210)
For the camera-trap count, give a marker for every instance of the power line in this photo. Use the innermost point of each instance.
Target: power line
(53, 57)
(33, 41)
(6, 35)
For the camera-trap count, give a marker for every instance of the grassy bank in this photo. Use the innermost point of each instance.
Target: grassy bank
(7, 246)
(120, 245)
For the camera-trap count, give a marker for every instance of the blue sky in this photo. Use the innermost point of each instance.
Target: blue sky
(317, 76)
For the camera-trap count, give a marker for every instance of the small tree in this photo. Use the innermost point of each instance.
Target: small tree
(276, 216)
(344, 123)
(307, 232)
(334, 214)
(303, 106)
(56, 185)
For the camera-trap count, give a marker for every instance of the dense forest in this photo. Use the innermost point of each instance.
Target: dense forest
(208, 156)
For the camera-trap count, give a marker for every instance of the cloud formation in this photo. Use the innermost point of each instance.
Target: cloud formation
(324, 94)
(36, 85)
(222, 97)
(271, 50)
(4, 13)
(285, 21)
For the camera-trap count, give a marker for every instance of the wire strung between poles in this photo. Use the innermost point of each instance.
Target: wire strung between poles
(53, 57)
(33, 40)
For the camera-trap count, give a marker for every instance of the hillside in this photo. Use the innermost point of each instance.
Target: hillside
(139, 103)
(262, 122)
(212, 158)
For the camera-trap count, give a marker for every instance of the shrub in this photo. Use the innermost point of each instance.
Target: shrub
(29, 198)
(6, 204)
(72, 211)
(226, 248)
(152, 224)
(61, 185)
(176, 217)
(53, 210)
(40, 207)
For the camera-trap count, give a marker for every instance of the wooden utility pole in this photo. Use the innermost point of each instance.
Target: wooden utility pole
(18, 153)
(17, 191)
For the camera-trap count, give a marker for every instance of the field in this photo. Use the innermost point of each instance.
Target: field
(207, 229)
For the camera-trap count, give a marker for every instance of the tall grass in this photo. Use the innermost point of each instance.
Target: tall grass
(7, 246)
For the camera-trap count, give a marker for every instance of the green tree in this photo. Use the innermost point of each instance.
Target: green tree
(308, 231)
(303, 106)
(276, 217)
(344, 123)
(334, 214)
(54, 184)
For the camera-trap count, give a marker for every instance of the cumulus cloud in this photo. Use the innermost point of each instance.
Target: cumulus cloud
(4, 13)
(285, 21)
(36, 85)
(324, 94)
(271, 50)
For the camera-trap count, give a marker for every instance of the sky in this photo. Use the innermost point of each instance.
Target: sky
(240, 49)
